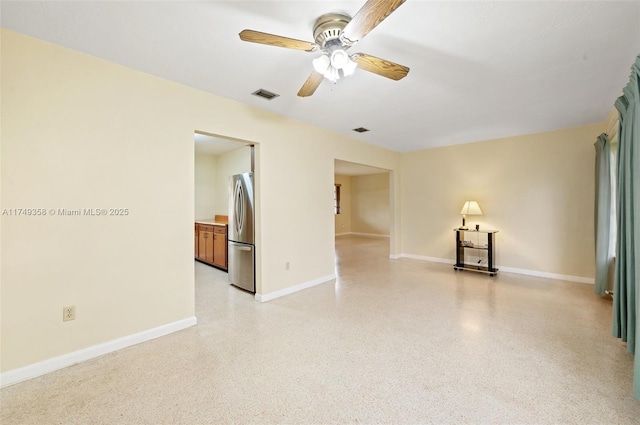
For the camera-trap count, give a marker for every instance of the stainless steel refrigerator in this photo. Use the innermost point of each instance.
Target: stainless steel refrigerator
(241, 232)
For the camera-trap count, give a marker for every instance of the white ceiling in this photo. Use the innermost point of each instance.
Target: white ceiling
(345, 168)
(212, 145)
(479, 70)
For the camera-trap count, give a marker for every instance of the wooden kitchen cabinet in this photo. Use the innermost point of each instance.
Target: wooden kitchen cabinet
(211, 244)
(205, 243)
(220, 246)
(195, 240)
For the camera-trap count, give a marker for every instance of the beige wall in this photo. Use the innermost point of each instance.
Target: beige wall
(205, 186)
(370, 208)
(537, 190)
(234, 162)
(211, 180)
(80, 132)
(343, 220)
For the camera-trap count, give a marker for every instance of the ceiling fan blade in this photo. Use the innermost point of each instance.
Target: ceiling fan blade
(368, 17)
(312, 83)
(277, 40)
(380, 66)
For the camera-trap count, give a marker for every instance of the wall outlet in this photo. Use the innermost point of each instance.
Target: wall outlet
(287, 265)
(68, 313)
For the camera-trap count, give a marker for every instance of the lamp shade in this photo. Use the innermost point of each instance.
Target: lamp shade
(471, 208)
(339, 58)
(321, 64)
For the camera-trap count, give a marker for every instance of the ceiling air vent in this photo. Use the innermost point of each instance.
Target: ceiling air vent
(265, 94)
(360, 129)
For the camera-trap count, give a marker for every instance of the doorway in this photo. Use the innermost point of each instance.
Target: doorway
(363, 201)
(216, 158)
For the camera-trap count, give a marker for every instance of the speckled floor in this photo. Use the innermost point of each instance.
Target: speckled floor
(392, 341)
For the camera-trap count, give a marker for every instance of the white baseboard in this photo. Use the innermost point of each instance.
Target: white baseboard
(368, 235)
(14, 376)
(286, 291)
(556, 276)
(423, 258)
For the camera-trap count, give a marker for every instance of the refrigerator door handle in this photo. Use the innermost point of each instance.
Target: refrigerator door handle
(238, 207)
(241, 203)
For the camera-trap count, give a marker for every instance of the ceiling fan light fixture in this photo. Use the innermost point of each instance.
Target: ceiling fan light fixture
(339, 58)
(321, 64)
(332, 74)
(334, 65)
(349, 68)
(334, 34)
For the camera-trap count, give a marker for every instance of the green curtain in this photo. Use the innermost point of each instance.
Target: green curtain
(602, 213)
(626, 291)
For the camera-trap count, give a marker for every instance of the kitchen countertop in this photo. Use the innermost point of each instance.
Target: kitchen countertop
(210, 222)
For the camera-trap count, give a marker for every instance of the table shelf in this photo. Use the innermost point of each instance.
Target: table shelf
(460, 264)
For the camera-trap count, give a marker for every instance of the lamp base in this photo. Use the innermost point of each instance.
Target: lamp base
(464, 222)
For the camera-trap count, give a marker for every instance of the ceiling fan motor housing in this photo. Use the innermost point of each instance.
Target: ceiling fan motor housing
(327, 29)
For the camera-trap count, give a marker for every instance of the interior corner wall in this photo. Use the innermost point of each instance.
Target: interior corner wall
(536, 190)
(370, 207)
(343, 220)
(205, 187)
(80, 133)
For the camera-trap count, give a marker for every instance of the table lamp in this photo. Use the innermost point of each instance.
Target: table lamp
(469, 208)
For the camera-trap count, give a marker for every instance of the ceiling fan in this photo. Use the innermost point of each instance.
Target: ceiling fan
(334, 34)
